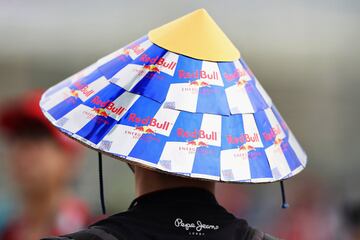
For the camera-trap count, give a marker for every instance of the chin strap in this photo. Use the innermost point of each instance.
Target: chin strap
(131, 167)
(101, 184)
(284, 203)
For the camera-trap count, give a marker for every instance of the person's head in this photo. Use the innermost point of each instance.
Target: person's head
(38, 158)
(147, 180)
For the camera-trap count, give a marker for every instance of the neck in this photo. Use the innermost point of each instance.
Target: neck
(147, 181)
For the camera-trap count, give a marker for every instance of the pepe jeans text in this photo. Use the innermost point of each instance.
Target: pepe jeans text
(198, 226)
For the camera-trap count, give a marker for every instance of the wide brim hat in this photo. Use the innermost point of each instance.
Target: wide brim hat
(179, 100)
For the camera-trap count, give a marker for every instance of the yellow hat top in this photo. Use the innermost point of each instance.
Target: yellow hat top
(195, 35)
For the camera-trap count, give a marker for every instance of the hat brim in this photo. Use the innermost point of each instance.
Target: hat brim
(140, 131)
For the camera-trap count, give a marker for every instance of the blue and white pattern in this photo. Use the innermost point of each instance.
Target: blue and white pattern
(180, 115)
(184, 83)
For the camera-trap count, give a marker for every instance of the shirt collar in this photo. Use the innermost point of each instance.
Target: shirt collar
(182, 194)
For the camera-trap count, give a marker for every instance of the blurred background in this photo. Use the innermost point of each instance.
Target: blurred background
(306, 54)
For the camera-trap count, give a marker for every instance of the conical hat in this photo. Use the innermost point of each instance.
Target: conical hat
(181, 101)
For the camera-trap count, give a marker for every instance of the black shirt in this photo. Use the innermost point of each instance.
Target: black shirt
(176, 214)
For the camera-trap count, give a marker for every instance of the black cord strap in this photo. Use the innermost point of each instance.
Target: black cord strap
(101, 182)
(284, 203)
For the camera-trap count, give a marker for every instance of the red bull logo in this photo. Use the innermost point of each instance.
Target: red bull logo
(109, 105)
(197, 134)
(241, 82)
(100, 112)
(199, 83)
(148, 121)
(158, 61)
(280, 145)
(243, 151)
(199, 74)
(145, 129)
(152, 68)
(278, 141)
(246, 147)
(197, 143)
(273, 133)
(243, 138)
(83, 88)
(74, 93)
(238, 73)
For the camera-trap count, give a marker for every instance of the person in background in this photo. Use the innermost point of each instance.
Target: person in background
(42, 163)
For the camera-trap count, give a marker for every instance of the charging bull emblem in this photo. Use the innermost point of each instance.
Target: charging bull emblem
(100, 112)
(197, 143)
(246, 147)
(152, 68)
(145, 129)
(199, 83)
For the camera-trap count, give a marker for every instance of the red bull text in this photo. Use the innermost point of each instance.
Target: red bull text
(199, 74)
(148, 121)
(158, 61)
(109, 105)
(84, 88)
(243, 138)
(197, 134)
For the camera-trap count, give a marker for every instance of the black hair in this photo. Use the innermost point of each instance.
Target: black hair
(30, 129)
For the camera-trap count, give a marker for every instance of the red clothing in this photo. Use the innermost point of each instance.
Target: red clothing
(72, 215)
